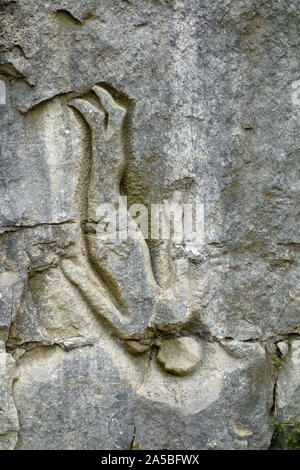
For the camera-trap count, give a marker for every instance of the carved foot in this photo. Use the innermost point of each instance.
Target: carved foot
(178, 356)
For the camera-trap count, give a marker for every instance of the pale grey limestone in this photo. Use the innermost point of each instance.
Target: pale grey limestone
(74, 400)
(288, 384)
(9, 424)
(200, 97)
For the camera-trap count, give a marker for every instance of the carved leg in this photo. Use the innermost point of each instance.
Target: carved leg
(123, 264)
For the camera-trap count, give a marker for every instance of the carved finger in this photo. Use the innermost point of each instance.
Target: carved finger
(116, 113)
(93, 116)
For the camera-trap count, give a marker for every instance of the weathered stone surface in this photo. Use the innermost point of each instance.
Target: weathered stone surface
(10, 292)
(156, 101)
(9, 424)
(73, 400)
(99, 397)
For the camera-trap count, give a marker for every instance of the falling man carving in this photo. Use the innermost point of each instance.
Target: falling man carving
(117, 279)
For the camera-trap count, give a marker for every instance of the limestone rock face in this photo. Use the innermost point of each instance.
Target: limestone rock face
(179, 356)
(126, 340)
(9, 424)
(73, 400)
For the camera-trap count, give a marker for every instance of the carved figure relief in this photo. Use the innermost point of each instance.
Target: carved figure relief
(115, 276)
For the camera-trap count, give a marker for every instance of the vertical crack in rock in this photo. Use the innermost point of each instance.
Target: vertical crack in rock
(133, 445)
